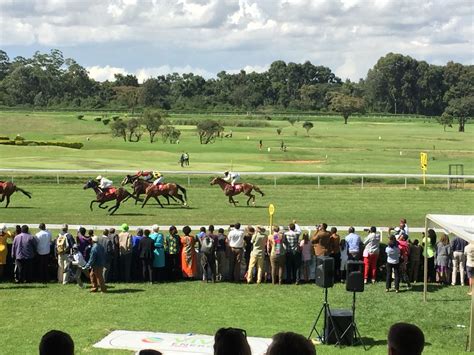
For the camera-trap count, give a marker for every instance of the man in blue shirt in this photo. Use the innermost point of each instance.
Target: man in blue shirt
(353, 242)
(96, 263)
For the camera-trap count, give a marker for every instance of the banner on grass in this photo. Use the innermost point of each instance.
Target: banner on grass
(171, 344)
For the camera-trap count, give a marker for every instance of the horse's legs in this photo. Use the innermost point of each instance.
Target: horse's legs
(8, 201)
(114, 208)
(92, 202)
(159, 202)
(137, 198)
(146, 200)
(101, 205)
(231, 200)
(2, 198)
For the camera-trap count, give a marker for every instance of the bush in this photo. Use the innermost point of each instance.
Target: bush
(73, 145)
(279, 131)
(80, 117)
(106, 121)
(98, 119)
(115, 118)
(4, 138)
(19, 138)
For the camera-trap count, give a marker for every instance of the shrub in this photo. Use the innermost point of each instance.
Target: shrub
(106, 121)
(279, 131)
(80, 117)
(115, 118)
(4, 138)
(19, 138)
(98, 119)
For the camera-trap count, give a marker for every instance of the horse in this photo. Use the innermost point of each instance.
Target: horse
(119, 195)
(139, 187)
(230, 191)
(170, 189)
(7, 189)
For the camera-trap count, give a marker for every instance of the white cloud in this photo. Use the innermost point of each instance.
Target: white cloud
(104, 73)
(346, 35)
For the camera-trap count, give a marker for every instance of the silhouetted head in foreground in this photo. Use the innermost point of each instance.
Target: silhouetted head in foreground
(56, 342)
(231, 341)
(289, 343)
(405, 339)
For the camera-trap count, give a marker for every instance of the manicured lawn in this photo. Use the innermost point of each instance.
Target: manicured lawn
(184, 307)
(380, 206)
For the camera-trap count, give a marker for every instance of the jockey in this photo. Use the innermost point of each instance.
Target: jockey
(231, 177)
(159, 178)
(104, 183)
(147, 175)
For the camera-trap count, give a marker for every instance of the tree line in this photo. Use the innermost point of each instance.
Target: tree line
(396, 84)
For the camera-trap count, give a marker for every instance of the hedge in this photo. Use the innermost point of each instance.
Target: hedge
(74, 145)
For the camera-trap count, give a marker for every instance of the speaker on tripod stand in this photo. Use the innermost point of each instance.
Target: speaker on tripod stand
(325, 278)
(354, 284)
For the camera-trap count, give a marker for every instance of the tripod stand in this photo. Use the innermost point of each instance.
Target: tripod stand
(357, 339)
(327, 315)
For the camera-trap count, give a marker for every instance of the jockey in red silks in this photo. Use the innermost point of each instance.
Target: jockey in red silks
(148, 176)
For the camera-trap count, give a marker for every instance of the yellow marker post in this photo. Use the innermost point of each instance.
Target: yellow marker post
(424, 165)
(271, 211)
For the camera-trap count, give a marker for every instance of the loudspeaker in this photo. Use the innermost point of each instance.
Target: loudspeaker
(355, 276)
(342, 319)
(324, 271)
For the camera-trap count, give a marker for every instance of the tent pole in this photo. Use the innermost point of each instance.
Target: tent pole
(425, 268)
(471, 328)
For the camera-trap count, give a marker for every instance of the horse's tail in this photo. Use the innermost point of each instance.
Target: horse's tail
(23, 191)
(183, 190)
(256, 188)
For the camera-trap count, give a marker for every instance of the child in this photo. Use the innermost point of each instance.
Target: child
(77, 263)
(306, 255)
(344, 257)
(393, 263)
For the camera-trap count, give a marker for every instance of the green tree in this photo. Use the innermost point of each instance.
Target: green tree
(119, 129)
(307, 125)
(126, 80)
(346, 105)
(170, 133)
(446, 120)
(133, 128)
(152, 121)
(208, 131)
(461, 109)
(291, 119)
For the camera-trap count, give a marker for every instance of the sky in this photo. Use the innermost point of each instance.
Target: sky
(154, 37)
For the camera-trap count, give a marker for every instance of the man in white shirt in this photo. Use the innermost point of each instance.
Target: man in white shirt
(43, 248)
(236, 244)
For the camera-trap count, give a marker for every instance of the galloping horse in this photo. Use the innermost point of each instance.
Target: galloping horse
(140, 186)
(169, 189)
(119, 195)
(7, 189)
(230, 191)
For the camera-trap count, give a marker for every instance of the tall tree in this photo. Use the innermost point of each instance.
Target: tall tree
(208, 131)
(346, 105)
(152, 121)
(461, 109)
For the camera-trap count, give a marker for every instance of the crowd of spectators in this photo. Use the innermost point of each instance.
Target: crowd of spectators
(249, 254)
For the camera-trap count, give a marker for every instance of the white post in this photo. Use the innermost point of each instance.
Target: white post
(12, 178)
(405, 182)
(425, 271)
(57, 179)
(471, 328)
(448, 184)
(274, 181)
(362, 182)
(319, 181)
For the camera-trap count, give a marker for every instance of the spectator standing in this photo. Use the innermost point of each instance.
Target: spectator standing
(404, 255)
(145, 251)
(277, 249)
(114, 274)
(78, 263)
(158, 252)
(5, 235)
(371, 254)
(125, 244)
(393, 264)
(24, 246)
(188, 253)
(469, 253)
(293, 255)
(172, 253)
(259, 241)
(344, 258)
(208, 258)
(136, 267)
(429, 249)
(248, 233)
(236, 244)
(108, 245)
(353, 244)
(321, 241)
(83, 241)
(96, 264)
(222, 249)
(306, 247)
(335, 253)
(43, 248)
(62, 248)
(443, 256)
(414, 260)
(457, 247)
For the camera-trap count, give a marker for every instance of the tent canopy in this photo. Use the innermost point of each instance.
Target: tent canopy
(459, 225)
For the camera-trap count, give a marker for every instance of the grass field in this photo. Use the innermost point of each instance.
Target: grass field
(330, 147)
(30, 310)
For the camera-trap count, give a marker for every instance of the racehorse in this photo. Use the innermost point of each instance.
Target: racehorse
(169, 189)
(119, 195)
(140, 186)
(230, 191)
(7, 189)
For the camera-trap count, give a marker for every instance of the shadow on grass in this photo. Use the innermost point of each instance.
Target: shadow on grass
(20, 207)
(131, 214)
(250, 206)
(22, 287)
(431, 287)
(125, 290)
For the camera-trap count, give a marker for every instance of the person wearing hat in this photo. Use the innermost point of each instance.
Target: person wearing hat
(125, 247)
(159, 178)
(158, 253)
(104, 183)
(231, 177)
(259, 241)
(62, 248)
(4, 236)
(96, 265)
(78, 262)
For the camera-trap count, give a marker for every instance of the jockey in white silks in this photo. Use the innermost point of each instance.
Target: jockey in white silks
(231, 177)
(159, 178)
(104, 183)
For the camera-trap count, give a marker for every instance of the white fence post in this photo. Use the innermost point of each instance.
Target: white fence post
(405, 182)
(274, 181)
(319, 181)
(57, 178)
(362, 182)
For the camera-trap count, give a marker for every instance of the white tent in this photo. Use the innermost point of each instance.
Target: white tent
(463, 227)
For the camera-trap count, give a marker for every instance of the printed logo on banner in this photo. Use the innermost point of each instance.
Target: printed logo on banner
(152, 340)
